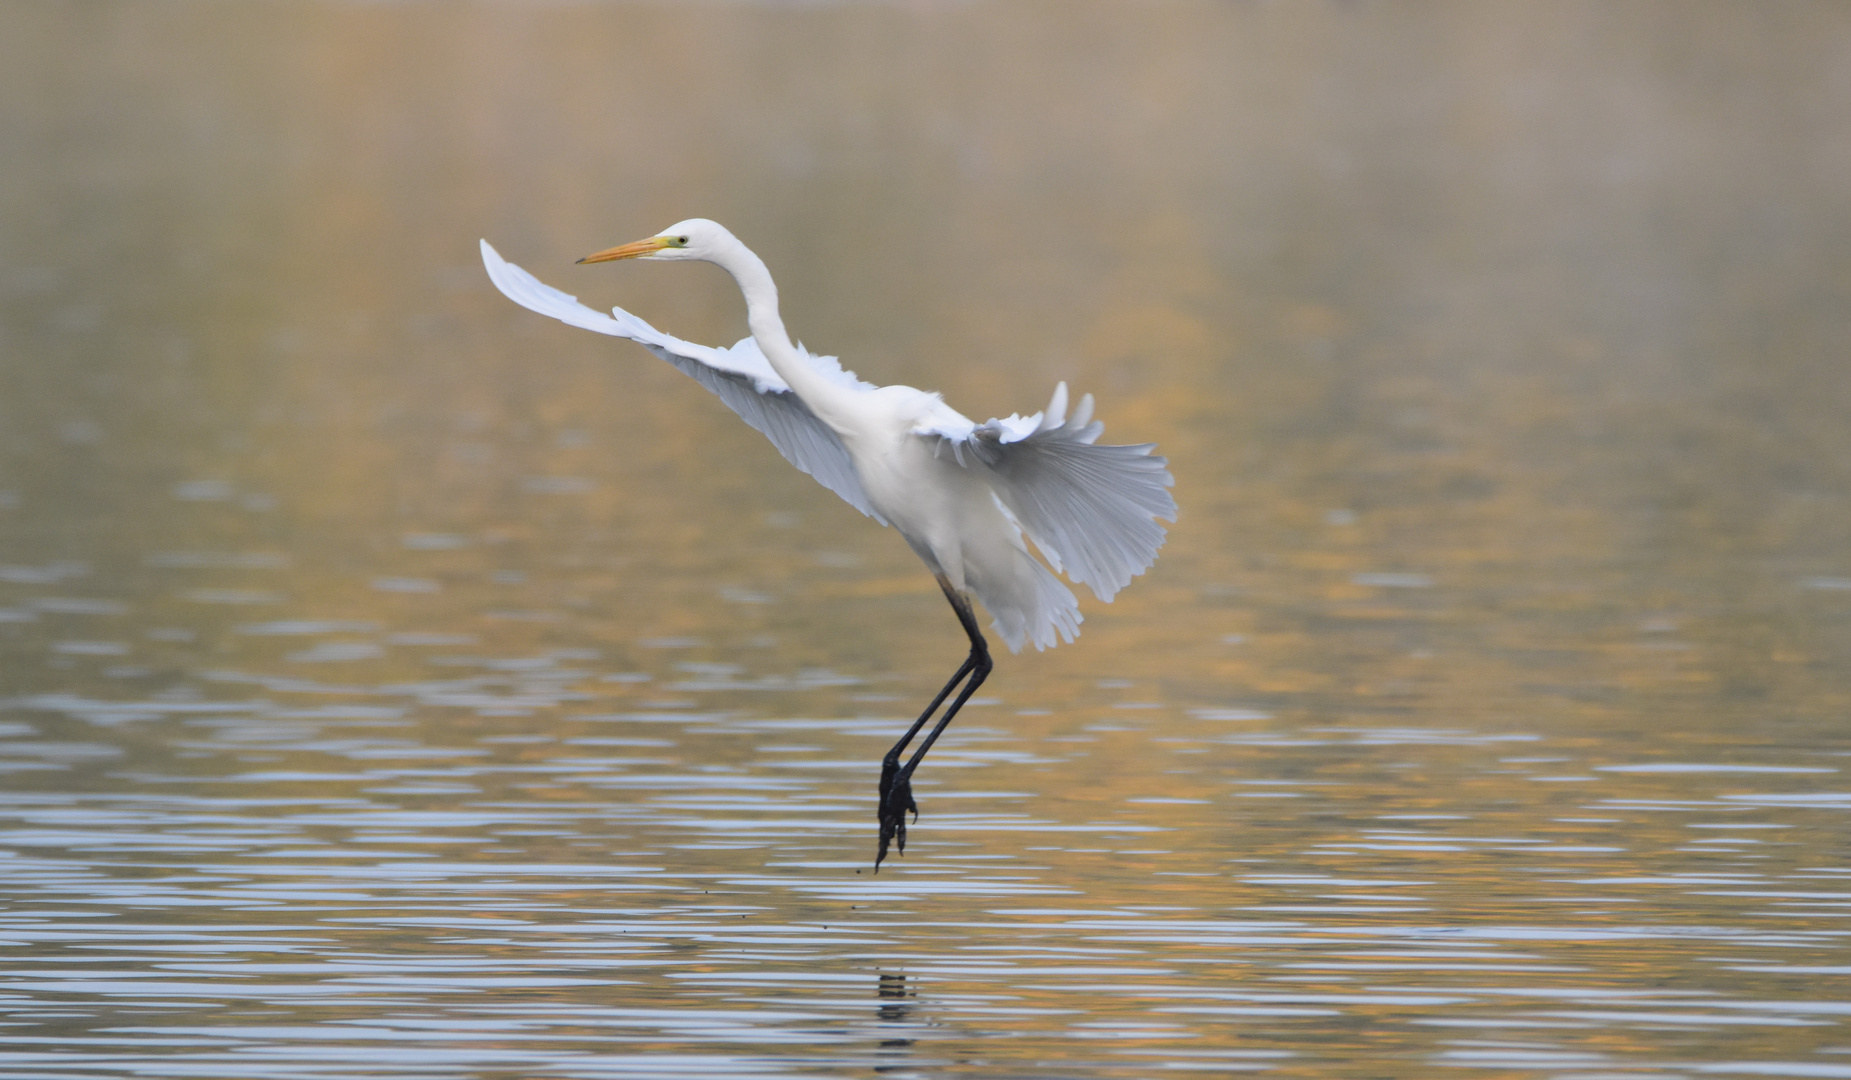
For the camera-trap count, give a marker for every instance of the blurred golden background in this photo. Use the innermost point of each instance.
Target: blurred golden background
(1498, 350)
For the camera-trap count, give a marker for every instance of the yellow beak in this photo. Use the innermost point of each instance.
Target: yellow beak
(632, 250)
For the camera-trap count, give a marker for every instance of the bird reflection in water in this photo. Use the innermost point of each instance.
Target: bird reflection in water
(895, 1006)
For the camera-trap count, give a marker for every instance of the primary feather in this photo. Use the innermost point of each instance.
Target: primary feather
(740, 376)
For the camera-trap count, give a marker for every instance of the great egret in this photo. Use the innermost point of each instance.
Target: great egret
(961, 493)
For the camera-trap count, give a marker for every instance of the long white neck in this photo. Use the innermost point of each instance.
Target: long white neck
(829, 400)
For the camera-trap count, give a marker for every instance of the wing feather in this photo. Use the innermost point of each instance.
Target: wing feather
(740, 376)
(1092, 510)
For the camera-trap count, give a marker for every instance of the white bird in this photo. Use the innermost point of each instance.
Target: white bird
(961, 493)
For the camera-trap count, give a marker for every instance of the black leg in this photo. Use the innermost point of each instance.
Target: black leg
(896, 788)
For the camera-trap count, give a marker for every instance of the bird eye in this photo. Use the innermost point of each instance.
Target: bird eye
(681, 240)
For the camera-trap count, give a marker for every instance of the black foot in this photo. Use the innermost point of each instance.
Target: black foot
(896, 801)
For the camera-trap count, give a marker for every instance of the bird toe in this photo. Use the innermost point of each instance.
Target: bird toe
(896, 801)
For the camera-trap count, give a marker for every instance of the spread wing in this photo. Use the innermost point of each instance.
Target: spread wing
(1092, 510)
(739, 376)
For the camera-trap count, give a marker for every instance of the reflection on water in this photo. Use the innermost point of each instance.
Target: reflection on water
(424, 876)
(394, 684)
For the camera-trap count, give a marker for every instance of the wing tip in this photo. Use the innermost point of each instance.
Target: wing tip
(1056, 413)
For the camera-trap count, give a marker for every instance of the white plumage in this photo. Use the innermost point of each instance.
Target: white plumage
(963, 494)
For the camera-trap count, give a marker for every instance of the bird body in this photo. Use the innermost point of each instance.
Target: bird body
(963, 494)
(950, 516)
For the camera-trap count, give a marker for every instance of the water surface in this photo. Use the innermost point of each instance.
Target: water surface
(396, 683)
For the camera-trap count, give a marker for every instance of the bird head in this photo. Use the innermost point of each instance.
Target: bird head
(695, 238)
